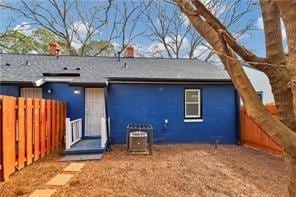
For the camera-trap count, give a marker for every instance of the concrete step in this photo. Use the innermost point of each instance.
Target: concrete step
(83, 157)
(86, 146)
(84, 151)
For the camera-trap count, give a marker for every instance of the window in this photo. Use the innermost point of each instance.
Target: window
(192, 104)
(260, 95)
(31, 92)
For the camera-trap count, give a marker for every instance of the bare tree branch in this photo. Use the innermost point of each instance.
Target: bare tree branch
(173, 35)
(60, 18)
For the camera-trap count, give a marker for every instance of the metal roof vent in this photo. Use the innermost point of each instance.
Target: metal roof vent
(118, 56)
(65, 68)
(27, 63)
(125, 65)
(78, 68)
(7, 64)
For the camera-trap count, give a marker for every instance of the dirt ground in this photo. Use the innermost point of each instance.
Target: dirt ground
(172, 170)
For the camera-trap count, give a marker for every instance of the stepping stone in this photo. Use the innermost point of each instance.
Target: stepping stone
(60, 179)
(74, 167)
(43, 193)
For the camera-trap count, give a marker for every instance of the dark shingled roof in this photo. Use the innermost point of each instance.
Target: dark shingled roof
(29, 68)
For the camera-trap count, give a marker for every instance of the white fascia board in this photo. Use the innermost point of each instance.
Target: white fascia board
(59, 79)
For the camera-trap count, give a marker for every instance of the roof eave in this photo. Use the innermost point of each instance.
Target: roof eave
(166, 79)
(88, 84)
(27, 83)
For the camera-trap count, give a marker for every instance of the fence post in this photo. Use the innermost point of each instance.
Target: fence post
(43, 126)
(36, 128)
(48, 126)
(29, 130)
(58, 125)
(1, 141)
(68, 133)
(21, 133)
(53, 125)
(80, 129)
(9, 134)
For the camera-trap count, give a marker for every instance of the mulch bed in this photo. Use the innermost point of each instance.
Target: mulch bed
(172, 170)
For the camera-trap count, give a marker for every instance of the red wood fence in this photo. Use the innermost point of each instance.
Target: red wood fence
(29, 130)
(253, 136)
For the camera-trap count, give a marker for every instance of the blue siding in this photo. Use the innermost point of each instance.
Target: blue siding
(152, 103)
(9, 90)
(64, 92)
(60, 91)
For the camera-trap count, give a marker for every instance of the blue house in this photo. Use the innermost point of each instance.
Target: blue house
(186, 101)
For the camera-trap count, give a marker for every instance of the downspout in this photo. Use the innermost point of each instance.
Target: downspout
(107, 117)
(237, 118)
(39, 82)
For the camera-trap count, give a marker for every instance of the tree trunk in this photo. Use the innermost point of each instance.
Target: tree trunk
(279, 80)
(291, 163)
(278, 77)
(281, 134)
(288, 12)
(255, 109)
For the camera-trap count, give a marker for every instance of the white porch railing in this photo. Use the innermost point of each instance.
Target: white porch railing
(103, 132)
(73, 132)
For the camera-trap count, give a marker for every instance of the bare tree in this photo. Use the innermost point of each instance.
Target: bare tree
(279, 68)
(124, 22)
(168, 31)
(66, 19)
(174, 36)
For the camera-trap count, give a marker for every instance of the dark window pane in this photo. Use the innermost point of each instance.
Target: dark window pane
(192, 110)
(192, 96)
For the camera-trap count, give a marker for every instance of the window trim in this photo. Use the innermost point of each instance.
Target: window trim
(199, 117)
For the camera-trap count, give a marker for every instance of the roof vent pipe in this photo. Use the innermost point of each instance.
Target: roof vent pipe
(118, 56)
(57, 53)
(27, 63)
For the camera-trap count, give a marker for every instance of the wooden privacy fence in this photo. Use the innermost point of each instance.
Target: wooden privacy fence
(253, 136)
(29, 130)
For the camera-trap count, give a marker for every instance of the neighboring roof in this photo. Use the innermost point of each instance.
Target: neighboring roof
(30, 68)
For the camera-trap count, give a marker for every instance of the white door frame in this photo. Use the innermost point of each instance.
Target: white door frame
(96, 110)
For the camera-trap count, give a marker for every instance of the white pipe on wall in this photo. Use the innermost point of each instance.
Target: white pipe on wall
(68, 134)
(103, 132)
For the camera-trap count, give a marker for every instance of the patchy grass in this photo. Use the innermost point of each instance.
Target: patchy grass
(172, 170)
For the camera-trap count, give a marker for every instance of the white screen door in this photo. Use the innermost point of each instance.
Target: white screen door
(94, 110)
(31, 92)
